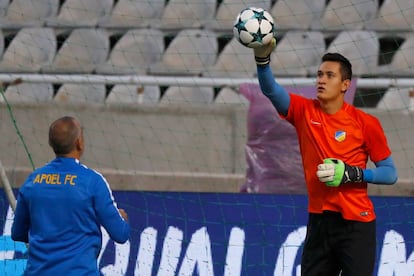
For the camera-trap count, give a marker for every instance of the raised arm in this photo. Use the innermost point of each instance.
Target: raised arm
(270, 87)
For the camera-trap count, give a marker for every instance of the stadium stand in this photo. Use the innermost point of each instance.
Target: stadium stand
(29, 93)
(81, 52)
(296, 14)
(222, 22)
(179, 14)
(133, 14)
(80, 13)
(187, 95)
(189, 53)
(29, 51)
(342, 15)
(234, 60)
(134, 52)
(402, 63)
(134, 94)
(361, 47)
(23, 13)
(393, 16)
(297, 52)
(400, 99)
(228, 95)
(81, 93)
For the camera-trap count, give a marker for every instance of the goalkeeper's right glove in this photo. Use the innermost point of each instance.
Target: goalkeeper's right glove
(262, 53)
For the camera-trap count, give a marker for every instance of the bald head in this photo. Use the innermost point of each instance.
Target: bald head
(65, 136)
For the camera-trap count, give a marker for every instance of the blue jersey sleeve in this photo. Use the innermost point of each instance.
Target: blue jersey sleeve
(21, 222)
(385, 172)
(107, 212)
(274, 91)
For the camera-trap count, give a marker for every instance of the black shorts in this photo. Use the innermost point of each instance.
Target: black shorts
(334, 245)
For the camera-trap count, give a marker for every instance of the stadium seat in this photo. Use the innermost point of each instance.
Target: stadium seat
(134, 94)
(397, 99)
(342, 15)
(23, 13)
(134, 52)
(189, 54)
(29, 93)
(296, 14)
(81, 93)
(227, 96)
(133, 14)
(80, 13)
(235, 60)
(402, 63)
(360, 47)
(393, 15)
(29, 51)
(81, 52)
(297, 52)
(176, 95)
(228, 11)
(179, 14)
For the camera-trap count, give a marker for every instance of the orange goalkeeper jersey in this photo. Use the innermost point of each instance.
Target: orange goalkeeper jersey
(350, 135)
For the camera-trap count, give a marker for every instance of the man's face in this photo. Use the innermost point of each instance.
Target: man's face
(329, 85)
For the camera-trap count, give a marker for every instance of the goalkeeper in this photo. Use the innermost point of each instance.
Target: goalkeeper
(336, 139)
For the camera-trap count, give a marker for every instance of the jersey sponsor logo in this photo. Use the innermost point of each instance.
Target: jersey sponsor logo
(313, 122)
(55, 179)
(340, 135)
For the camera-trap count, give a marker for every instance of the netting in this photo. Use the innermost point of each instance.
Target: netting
(166, 98)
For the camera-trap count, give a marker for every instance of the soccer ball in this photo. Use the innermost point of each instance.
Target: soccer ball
(254, 27)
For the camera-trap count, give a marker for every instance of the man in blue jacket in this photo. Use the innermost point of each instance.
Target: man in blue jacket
(61, 207)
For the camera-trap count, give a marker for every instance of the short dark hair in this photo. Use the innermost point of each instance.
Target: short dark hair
(346, 66)
(63, 134)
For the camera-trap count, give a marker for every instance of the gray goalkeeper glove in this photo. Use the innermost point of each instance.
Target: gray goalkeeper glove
(262, 53)
(334, 172)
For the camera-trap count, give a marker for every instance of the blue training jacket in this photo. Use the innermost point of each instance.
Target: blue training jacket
(60, 209)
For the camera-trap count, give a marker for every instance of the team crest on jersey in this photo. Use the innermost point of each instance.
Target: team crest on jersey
(340, 135)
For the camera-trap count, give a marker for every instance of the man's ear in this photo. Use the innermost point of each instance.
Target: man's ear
(345, 85)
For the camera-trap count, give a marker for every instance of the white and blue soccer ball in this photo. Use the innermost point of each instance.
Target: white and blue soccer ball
(254, 27)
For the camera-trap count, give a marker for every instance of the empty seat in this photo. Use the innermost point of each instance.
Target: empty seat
(29, 93)
(397, 99)
(235, 60)
(81, 52)
(134, 52)
(296, 14)
(197, 95)
(80, 13)
(81, 93)
(360, 47)
(134, 94)
(297, 53)
(393, 15)
(23, 13)
(189, 53)
(133, 14)
(179, 14)
(346, 15)
(227, 96)
(29, 51)
(229, 9)
(402, 63)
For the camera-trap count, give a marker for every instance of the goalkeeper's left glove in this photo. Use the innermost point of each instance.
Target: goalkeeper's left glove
(334, 172)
